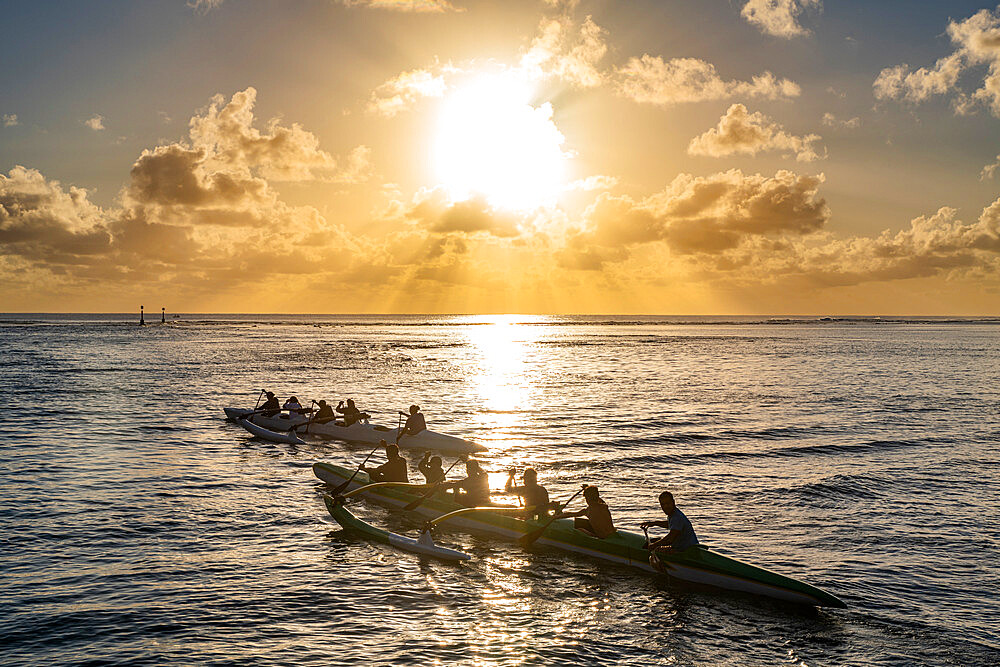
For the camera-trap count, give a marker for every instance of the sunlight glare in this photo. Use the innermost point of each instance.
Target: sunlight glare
(491, 141)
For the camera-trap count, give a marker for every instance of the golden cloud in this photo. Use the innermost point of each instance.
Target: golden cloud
(653, 80)
(778, 18)
(741, 132)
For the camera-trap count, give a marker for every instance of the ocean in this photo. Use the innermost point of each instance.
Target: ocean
(861, 455)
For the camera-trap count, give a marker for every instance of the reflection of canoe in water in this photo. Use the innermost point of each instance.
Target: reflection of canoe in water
(271, 436)
(362, 432)
(351, 522)
(698, 565)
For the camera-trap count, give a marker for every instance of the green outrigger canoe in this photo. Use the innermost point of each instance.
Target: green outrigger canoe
(698, 565)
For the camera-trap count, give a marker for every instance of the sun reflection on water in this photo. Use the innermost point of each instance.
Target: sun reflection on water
(503, 381)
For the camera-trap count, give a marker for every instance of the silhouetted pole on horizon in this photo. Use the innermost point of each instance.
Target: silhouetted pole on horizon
(142, 320)
(163, 315)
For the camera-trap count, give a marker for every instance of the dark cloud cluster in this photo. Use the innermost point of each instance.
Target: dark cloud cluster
(700, 215)
(201, 211)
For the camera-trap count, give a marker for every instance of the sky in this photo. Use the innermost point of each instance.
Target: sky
(740, 157)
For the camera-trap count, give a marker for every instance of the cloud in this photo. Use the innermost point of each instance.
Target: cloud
(10, 120)
(573, 54)
(204, 5)
(976, 42)
(415, 6)
(96, 123)
(653, 80)
(930, 246)
(201, 214)
(989, 170)
(778, 18)
(831, 120)
(435, 212)
(740, 132)
(699, 215)
(226, 133)
(406, 89)
(41, 220)
(596, 182)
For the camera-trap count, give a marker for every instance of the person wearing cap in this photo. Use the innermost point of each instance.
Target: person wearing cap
(271, 406)
(393, 470)
(414, 422)
(536, 497)
(595, 519)
(680, 535)
(324, 414)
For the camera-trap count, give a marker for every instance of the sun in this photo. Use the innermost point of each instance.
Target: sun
(491, 141)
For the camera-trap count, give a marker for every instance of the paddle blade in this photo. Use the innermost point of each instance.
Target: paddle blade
(416, 503)
(530, 538)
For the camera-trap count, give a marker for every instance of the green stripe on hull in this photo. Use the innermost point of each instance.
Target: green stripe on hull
(696, 564)
(349, 521)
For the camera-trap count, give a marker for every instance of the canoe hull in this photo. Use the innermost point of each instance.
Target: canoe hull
(278, 422)
(345, 518)
(270, 436)
(362, 433)
(695, 565)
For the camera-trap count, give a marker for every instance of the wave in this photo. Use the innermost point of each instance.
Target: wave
(696, 458)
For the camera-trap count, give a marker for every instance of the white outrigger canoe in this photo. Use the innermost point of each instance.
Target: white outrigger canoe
(698, 564)
(360, 432)
(286, 437)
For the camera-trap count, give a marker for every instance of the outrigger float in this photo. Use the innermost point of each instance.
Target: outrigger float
(699, 564)
(286, 437)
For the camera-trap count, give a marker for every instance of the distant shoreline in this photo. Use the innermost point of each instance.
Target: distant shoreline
(187, 319)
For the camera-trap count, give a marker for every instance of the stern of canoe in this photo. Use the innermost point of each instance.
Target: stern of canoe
(702, 566)
(350, 522)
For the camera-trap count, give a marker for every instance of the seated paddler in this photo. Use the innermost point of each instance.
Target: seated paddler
(536, 497)
(293, 407)
(415, 422)
(474, 490)
(324, 414)
(431, 467)
(393, 470)
(271, 406)
(351, 412)
(595, 518)
(680, 535)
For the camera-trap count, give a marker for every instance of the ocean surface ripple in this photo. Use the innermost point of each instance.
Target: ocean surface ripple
(860, 455)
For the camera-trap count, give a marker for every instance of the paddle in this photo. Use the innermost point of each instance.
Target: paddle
(336, 492)
(312, 402)
(530, 538)
(419, 501)
(250, 414)
(510, 483)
